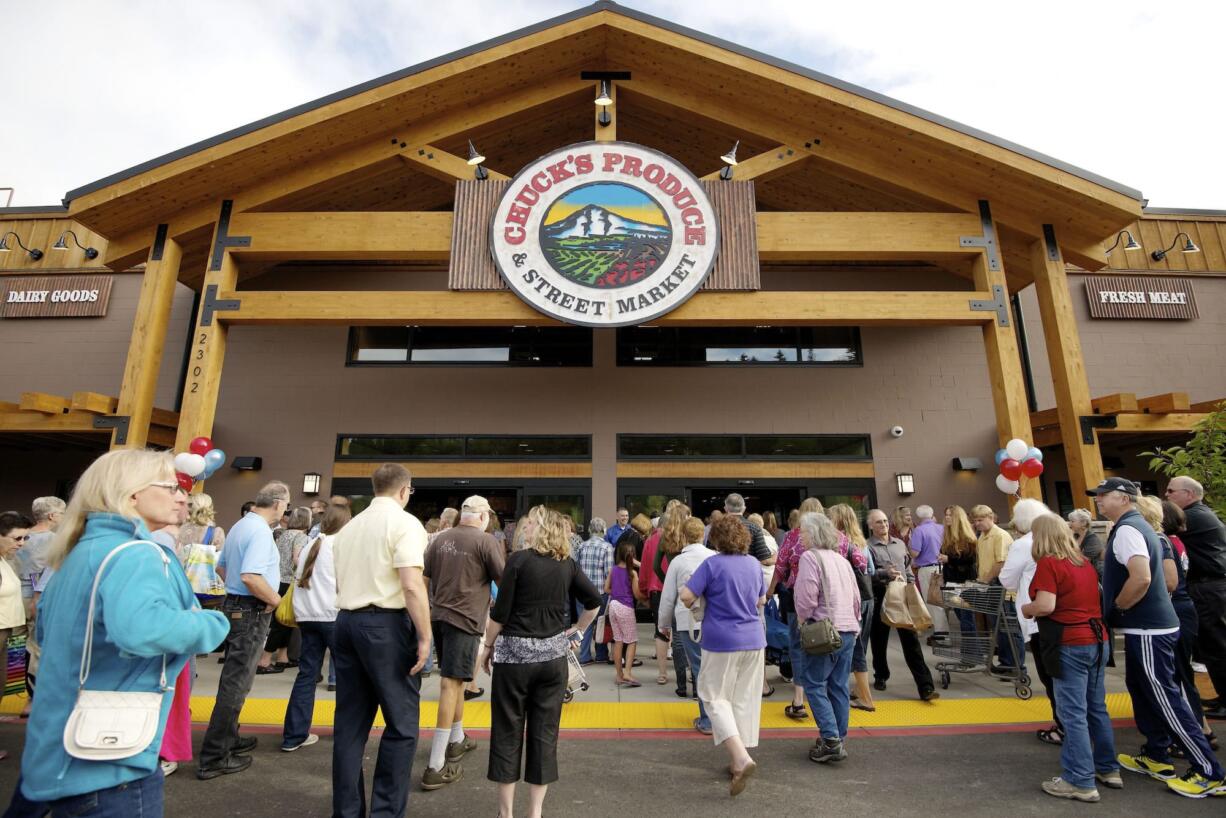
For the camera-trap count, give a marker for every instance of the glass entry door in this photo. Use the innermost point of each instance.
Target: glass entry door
(780, 496)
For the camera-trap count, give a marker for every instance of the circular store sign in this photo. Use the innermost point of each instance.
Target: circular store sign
(605, 234)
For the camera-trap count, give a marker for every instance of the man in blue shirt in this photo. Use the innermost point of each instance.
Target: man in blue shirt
(251, 566)
(615, 530)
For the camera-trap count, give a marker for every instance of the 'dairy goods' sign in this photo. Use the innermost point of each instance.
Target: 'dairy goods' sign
(604, 234)
(54, 296)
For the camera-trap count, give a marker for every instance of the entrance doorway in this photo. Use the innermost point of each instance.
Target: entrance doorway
(780, 500)
(779, 496)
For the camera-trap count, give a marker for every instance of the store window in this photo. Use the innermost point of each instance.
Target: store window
(744, 447)
(470, 346)
(739, 346)
(463, 447)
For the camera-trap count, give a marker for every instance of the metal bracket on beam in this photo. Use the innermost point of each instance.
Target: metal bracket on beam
(998, 305)
(224, 239)
(159, 243)
(212, 304)
(1049, 243)
(988, 240)
(1091, 422)
(119, 423)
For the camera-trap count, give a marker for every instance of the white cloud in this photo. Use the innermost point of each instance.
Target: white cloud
(1121, 89)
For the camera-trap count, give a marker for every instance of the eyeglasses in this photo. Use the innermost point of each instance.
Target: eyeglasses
(22, 538)
(173, 488)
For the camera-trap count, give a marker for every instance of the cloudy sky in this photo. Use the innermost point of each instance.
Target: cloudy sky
(1129, 90)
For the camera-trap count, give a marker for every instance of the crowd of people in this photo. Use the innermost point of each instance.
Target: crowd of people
(99, 587)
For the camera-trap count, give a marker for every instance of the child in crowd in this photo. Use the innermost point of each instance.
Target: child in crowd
(622, 586)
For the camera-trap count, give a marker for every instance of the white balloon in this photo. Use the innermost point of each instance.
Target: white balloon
(1017, 449)
(1006, 485)
(190, 464)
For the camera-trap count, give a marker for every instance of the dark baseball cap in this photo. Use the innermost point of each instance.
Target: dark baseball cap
(1115, 484)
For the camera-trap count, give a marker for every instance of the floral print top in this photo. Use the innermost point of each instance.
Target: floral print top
(788, 562)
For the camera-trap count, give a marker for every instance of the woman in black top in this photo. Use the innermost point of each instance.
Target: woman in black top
(526, 643)
(959, 549)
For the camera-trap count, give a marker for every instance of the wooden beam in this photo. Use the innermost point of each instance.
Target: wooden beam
(123, 251)
(1084, 461)
(1207, 406)
(505, 308)
(420, 236)
(469, 468)
(1169, 403)
(1177, 422)
(148, 339)
(443, 165)
(70, 421)
(9, 406)
(1106, 405)
(762, 470)
(94, 402)
(765, 165)
(42, 402)
(164, 417)
(607, 131)
(864, 236)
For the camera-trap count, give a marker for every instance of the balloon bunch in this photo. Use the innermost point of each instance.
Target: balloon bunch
(1017, 460)
(200, 462)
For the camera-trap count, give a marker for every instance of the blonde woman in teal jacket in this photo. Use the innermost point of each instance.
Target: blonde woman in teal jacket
(144, 613)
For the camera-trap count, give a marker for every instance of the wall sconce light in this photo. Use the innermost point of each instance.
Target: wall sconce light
(906, 483)
(310, 483)
(60, 244)
(1188, 247)
(475, 158)
(35, 254)
(967, 464)
(604, 98)
(247, 463)
(729, 160)
(1131, 244)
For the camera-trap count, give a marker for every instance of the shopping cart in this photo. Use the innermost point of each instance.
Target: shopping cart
(971, 652)
(576, 679)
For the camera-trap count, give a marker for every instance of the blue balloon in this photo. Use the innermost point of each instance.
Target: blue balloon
(1001, 454)
(214, 459)
(1035, 453)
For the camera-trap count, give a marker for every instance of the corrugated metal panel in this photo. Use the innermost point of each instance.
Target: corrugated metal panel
(736, 267)
(1140, 297)
(472, 266)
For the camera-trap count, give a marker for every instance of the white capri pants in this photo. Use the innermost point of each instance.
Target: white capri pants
(730, 686)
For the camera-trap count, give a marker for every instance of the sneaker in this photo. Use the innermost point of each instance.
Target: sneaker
(331, 688)
(437, 779)
(929, 695)
(702, 727)
(168, 767)
(244, 745)
(879, 684)
(1195, 785)
(1111, 779)
(1060, 788)
(231, 764)
(1161, 770)
(827, 751)
(307, 742)
(457, 749)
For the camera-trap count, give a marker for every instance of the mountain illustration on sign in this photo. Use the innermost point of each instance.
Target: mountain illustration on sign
(606, 235)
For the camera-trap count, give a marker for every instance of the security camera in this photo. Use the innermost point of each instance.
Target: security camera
(896, 431)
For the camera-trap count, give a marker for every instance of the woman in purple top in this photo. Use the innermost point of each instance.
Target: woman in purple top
(733, 592)
(826, 589)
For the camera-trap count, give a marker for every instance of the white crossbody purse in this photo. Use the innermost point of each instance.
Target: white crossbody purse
(106, 725)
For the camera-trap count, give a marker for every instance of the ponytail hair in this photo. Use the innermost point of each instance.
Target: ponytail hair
(334, 520)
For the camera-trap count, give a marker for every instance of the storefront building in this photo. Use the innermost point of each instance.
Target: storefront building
(469, 268)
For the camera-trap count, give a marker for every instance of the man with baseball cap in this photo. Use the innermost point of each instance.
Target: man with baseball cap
(1137, 604)
(461, 563)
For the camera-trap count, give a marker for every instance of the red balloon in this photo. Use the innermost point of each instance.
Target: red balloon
(184, 481)
(1032, 467)
(1010, 468)
(200, 446)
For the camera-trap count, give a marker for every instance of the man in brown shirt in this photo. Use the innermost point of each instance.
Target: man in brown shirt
(461, 562)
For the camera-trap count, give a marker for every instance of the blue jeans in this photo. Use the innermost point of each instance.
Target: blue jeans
(859, 653)
(316, 638)
(374, 652)
(1089, 744)
(693, 653)
(140, 797)
(589, 638)
(966, 619)
(22, 807)
(824, 679)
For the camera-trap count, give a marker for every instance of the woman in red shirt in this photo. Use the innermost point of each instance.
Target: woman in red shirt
(1068, 607)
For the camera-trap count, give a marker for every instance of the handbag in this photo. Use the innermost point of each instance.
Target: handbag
(863, 581)
(107, 725)
(932, 594)
(818, 637)
(200, 565)
(285, 608)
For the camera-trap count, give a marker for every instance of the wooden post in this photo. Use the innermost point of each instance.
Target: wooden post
(1000, 344)
(1068, 371)
(607, 133)
(208, 348)
(140, 373)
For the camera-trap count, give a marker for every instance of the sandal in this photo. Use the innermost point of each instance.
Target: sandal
(262, 670)
(867, 708)
(1052, 735)
(662, 679)
(796, 711)
(770, 691)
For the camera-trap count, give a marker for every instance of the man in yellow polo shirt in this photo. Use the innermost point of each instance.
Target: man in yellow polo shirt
(382, 639)
(993, 546)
